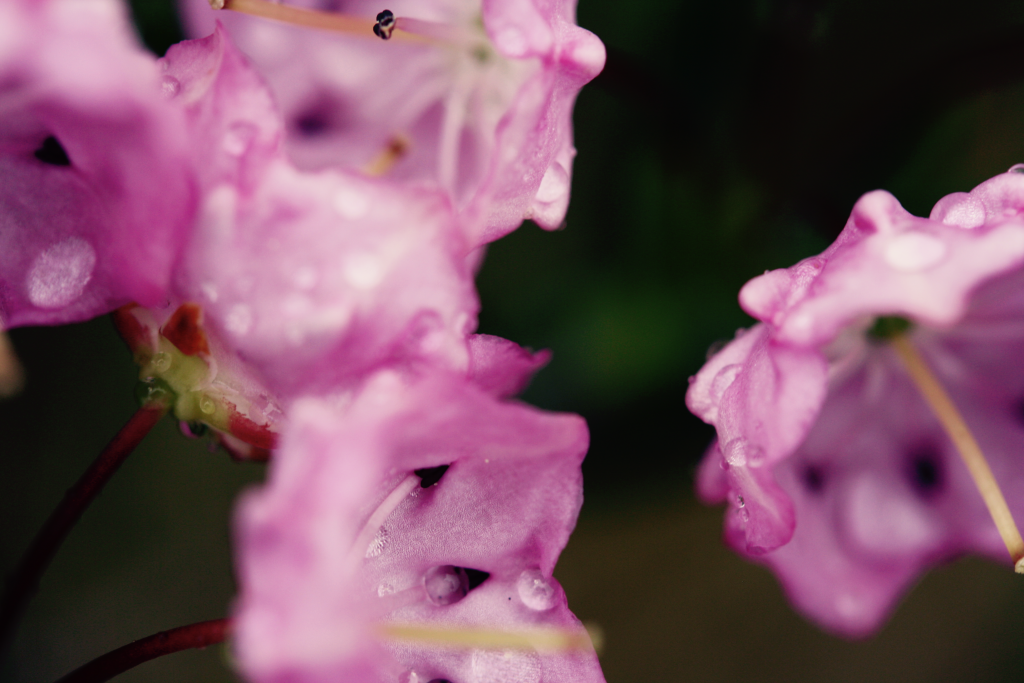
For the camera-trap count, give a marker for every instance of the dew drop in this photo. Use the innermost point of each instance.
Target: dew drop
(59, 275)
(535, 591)
(745, 515)
(740, 502)
(363, 271)
(735, 452)
(351, 204)
(446, 585)
(507, 666)
(238, 138)
(170, 87)
(554, 186)
(239, 319)
(511, 42)
(914, 251)
(1016, 168)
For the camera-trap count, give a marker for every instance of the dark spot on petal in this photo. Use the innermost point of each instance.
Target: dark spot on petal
(52, 152)
(813, 478)
(430, 475)
(925, 470)
(311, 124)
(439, 680)
(476, 577)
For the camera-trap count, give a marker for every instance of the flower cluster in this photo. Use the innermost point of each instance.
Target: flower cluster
(839, 449)
(306, 291)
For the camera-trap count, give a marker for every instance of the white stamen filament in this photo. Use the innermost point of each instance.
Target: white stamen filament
(450, 142)
(959, 433)
(380, 515)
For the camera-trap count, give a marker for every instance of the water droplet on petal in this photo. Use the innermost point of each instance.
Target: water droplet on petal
(554, 185)
(209, 290)
(410, 676)
(351, 204)
(735, 452)
(755, 456)
(740, 501)
(508, 666)
(446, 584)
(363, 271)
(745, 515)
(723, 380)
(535, 591)
(239, 319)
(511, 42)
(170, 87)
(914, 251)
(238, 138)
(59, 275)
(1016, 168)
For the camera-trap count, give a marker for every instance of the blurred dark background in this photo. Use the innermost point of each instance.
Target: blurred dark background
(722, 139)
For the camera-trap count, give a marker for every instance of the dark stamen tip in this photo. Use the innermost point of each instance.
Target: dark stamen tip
(385, 25)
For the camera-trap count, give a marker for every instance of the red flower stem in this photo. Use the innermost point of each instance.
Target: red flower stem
(24, 582)
(107, 666)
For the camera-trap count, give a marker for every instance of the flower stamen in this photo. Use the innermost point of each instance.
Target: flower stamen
(327, 21)
(540, 639)
(960, 434)
(380, 515)
(393, 152)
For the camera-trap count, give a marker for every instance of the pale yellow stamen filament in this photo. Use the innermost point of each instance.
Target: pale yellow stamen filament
(944, 408)
(327, 21)
(541, 639)
(395, 150)
(12, 377)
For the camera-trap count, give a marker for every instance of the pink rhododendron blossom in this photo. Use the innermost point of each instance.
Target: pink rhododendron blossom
(96, 196)
(421, 508)
(318, 278)
(821, 429)
(483, 109)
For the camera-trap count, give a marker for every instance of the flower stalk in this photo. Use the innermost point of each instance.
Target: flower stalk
(24, 582)
(970, 452)
(122, 659)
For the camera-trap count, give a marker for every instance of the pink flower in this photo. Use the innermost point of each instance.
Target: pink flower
(96, 196)
(314, 279)
(821, 429)
(293, 283)
(484, 111)
(421, 510)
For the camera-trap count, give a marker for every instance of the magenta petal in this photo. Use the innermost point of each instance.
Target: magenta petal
(89, 222)
(761, 396)
(345, 538)
(487, 119)
(500, 367)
